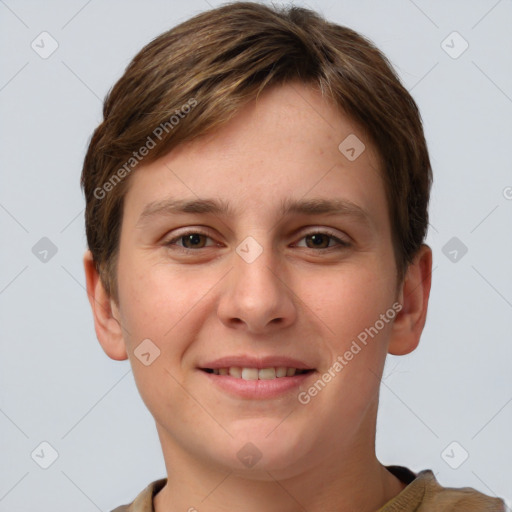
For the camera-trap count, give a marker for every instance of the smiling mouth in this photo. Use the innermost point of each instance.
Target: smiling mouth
(257, 373)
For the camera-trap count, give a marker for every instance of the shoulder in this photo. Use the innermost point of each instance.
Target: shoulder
(425, 494)
(463, 499)
(144, 500)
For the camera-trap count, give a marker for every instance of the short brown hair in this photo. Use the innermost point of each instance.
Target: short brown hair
(223, 58)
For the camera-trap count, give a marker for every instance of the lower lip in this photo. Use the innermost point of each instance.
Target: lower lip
(257, 389)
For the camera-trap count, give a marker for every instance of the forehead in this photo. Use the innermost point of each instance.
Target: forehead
(289, 143)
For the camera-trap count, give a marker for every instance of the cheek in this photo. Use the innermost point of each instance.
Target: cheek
(350, 308)
(160, 303)
(154, 306)
(351, 300)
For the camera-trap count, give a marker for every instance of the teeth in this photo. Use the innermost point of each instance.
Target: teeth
(281, 371)
(250, 373)
(258, 374)
(234, 371)
(267, 373)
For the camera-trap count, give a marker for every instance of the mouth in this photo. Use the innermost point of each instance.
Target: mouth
(248, 373)
(259, 380)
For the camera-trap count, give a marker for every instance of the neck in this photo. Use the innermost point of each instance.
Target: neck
(359, 482)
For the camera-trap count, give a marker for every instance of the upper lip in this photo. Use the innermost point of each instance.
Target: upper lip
(256, 362)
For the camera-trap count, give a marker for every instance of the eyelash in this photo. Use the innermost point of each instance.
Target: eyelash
(341, 243)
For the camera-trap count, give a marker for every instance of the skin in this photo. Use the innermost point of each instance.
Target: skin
(295, 299)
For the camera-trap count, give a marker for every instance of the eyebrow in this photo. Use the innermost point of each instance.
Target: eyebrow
(315, 206)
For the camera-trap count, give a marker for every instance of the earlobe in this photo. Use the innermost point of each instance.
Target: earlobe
(414, 295)
(108, 328)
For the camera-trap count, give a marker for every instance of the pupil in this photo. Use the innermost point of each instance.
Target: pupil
(193, 239)
(317, 239)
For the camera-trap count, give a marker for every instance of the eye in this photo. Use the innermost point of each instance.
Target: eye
(194, 240)
(190, 240)
(318, 239)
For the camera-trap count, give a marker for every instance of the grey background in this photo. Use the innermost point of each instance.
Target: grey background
(57, 385)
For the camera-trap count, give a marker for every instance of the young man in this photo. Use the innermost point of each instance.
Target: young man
(257, 201)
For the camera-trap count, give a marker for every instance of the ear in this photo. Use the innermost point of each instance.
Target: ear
(104, 309)
(414, 295)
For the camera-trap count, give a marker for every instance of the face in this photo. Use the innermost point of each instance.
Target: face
(283, 263)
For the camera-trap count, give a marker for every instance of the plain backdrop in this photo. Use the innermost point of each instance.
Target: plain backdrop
(447, 406)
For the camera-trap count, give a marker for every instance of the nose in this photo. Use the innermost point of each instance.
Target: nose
(255, 295)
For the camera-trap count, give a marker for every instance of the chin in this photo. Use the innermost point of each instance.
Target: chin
(265, 446)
